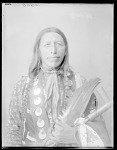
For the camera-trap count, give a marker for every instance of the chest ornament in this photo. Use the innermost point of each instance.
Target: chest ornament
(42, 134)
(38, 111)
(37, 101)
(37, 91)
(40, 122)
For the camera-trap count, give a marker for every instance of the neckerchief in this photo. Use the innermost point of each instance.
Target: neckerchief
(52, 89)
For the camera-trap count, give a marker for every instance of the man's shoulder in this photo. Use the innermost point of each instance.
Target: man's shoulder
(24, 79)
(79, 79)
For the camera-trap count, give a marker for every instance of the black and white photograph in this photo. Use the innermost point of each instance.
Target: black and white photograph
(57, 75)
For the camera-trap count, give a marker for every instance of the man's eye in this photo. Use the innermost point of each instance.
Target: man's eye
(47, 44)
(59, 44)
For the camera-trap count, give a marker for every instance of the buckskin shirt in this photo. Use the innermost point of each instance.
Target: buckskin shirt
(32, 113)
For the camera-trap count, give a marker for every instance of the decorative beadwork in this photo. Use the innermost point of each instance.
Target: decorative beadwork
(35, 83)
(30, 138)
(28, 111)
(69, 93)
(70, 83)
(50, 117)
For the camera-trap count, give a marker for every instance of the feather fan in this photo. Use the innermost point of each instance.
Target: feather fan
(79, 102)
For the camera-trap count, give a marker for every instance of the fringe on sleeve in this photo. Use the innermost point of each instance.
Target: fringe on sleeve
(14, 125)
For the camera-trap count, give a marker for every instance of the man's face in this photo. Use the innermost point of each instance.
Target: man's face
(52, 48)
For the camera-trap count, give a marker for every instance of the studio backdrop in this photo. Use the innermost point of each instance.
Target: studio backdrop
(89, 31)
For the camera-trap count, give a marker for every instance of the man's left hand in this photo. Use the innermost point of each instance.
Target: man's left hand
(63, 133)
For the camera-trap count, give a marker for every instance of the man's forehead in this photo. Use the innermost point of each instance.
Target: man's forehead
(51, 36)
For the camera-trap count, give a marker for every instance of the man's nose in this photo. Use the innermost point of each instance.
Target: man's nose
(54, 49)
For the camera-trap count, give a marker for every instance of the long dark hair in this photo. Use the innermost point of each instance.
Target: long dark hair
(36, 63)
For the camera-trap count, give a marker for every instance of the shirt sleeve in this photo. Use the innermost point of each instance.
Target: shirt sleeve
(14, 125)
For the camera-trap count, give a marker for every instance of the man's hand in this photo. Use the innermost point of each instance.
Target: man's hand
(63, 133)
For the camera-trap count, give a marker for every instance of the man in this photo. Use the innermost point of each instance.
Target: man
(40, 98)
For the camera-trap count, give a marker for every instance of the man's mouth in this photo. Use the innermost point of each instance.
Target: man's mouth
(56, 57)
(53, 58)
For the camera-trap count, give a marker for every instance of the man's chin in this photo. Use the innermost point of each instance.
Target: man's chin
(53, 65)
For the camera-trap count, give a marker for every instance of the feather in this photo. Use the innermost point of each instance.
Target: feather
(79, 101)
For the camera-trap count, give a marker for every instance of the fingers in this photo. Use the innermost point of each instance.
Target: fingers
(55, 133)
(61, 124)
(53, 136)
(58, 127)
